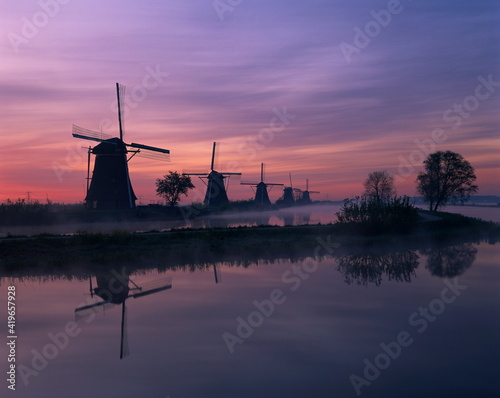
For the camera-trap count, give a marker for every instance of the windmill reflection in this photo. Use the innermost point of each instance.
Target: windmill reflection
(450, 261)
(114, 289)
(365, 268)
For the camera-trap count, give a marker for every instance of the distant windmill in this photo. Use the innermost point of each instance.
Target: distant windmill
(306, 197)
(288, 194)
(261, 194)
(116, 291)
(216, 194)
(110, 186)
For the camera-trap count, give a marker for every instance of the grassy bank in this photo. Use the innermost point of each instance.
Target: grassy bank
(207, 246)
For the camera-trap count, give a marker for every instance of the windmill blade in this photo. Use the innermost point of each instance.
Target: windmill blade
(270, 183)
(86, 134)
(249, 183)
(89, 310)
(231, 174)
(124, 351)
(149, 148)
(213, 157)
(314, 192)
(120, 94)
(153, 287)
(151, 152)
(217, 274)
(154, 155)
(195, 174)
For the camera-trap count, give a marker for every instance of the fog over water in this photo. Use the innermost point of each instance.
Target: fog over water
(299, 215)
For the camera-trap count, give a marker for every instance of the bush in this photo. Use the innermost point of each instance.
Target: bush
(372, 217)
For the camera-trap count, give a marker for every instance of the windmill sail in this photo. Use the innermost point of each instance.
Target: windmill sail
(86, 134)
(120, 93)
(124, 350)
(151, 152)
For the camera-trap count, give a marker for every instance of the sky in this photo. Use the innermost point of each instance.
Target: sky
(326, 90)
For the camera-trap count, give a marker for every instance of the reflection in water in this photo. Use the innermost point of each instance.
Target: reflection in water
(364, 268)
(450, 261)
(113, 289)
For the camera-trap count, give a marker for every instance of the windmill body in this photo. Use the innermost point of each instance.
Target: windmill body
(110, 186)
(216, 194)
(261, 193)
(306, 195)
(288, 198)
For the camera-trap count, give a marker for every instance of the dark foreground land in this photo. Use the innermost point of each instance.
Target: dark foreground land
(163, 250)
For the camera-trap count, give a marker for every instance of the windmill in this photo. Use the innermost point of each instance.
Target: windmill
(216, 194)
(110, 186)
(261, 194)
(288, 194)
(114, 290)
(306, 197)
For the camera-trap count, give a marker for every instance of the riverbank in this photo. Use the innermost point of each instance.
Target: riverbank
(208, 246)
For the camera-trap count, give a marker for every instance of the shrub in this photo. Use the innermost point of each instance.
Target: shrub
(371, 216)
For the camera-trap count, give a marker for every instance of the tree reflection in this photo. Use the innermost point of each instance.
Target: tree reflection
(364, 268)
(450, 261)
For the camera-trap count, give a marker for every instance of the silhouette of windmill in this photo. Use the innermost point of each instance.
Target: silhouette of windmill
(114, 290)
(110, 186)
(306, 195)
(261, 193)
(216, 194)
(288, 194)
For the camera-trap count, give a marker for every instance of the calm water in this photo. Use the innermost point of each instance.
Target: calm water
(390, 322)
(326, 322)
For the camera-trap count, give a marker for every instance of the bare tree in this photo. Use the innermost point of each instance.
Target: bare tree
(379, 185)
(447, 176)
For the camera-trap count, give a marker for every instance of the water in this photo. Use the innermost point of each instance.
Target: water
(326, 320)
(384, 322)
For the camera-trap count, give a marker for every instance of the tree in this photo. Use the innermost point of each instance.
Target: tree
(448, 176)
(379, 185)
(172, 186)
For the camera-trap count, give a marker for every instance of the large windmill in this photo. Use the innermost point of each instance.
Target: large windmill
(216, 194)
(114, 290)
(110, 186)
(261, 193)
(306, 195)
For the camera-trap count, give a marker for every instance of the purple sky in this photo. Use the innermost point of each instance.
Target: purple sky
(195, 75)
